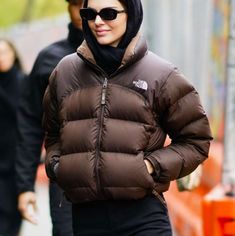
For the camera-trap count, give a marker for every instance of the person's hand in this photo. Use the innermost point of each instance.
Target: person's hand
(149, 166)
(27, 205)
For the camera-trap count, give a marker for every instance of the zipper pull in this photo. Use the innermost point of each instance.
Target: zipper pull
(61, 200)
(104, 87)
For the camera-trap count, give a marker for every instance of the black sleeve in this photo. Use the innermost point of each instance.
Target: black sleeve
(30, 132)
(186, 123)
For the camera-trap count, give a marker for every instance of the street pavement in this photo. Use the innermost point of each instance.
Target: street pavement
(43, 228)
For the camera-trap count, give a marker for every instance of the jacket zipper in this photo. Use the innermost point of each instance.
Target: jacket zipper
(104, 88)
(101, 121)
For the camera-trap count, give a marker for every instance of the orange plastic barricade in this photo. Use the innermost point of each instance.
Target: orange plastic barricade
(218, 214)
(185, 208)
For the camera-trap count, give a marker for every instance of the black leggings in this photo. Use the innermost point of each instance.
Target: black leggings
(144, 217)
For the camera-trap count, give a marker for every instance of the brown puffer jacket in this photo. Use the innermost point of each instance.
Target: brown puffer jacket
(99, 129)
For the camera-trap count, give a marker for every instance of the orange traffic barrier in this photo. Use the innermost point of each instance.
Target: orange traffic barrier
(218, 214)
(186, 208)
(41, 175)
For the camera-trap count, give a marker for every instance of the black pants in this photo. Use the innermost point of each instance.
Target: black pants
(145, 217)
(10, 219)
(61, 216)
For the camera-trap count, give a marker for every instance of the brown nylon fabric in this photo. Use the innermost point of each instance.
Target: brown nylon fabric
(101, 148)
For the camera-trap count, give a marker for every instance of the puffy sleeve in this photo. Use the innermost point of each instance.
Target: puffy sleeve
(183, 118)
(51, 126)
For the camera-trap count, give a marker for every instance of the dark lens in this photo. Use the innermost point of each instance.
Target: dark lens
(108, 14)
(88, 14)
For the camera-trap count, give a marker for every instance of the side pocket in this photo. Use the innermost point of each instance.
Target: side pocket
(160, 198)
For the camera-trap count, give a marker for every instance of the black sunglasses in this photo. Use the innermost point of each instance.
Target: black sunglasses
(105, 13)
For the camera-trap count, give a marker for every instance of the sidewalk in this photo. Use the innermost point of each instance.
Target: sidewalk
(44, 220)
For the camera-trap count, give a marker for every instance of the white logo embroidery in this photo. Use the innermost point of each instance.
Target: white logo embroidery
(141, 84)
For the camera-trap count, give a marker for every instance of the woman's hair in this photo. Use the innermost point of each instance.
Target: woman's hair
(17, 61)
(123, 2)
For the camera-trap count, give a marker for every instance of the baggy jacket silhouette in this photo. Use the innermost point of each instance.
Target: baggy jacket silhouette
(108, 109)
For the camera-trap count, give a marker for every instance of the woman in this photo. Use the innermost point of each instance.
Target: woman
(11, 76)
(108, 110)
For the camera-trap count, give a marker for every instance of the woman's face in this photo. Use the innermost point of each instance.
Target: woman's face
(7, 57)
(108, 32)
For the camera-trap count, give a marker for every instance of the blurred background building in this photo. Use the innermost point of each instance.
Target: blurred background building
(196, 35)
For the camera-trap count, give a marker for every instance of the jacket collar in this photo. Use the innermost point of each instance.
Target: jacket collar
(134, 52)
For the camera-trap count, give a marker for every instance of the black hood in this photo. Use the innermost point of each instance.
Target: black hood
(107, 57)
(75, 36)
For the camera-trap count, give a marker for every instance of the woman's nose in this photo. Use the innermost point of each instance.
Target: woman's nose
(98, 20)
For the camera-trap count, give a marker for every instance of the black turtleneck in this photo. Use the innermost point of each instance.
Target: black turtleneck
(9, 89)
(9, 97)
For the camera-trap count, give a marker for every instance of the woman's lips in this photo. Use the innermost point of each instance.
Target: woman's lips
(101, 32)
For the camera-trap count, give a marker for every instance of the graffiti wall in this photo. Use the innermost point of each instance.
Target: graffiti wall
(229, 136)
(217, 83)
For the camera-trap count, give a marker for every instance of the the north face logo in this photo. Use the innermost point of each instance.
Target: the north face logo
(141, 84)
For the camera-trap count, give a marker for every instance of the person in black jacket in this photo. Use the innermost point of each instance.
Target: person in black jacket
(11, 80)
(31, 133)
